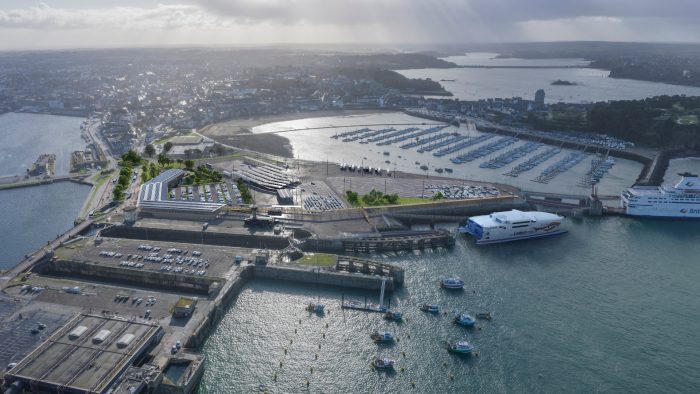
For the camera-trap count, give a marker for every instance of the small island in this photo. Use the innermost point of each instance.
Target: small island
(560, 82)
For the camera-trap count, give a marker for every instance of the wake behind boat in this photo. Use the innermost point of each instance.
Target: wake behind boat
(513, 225)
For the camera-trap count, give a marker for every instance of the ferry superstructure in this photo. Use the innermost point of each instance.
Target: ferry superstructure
(513, 225)
(681, 201)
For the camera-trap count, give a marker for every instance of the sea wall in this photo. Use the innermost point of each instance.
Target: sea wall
(227, 295)
(199, 237)
(120, 275)
(323, 277)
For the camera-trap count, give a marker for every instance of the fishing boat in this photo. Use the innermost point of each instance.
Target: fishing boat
(382, 363)
(393, 315)
(432, 308)
(464, 319)
(382, 336)
(461, 347)
(452, 283)
(315, 307)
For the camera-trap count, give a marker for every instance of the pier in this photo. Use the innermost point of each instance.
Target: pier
(398, 241)
(511, 155)
(484, 150)
(560, 167)
(461, 145)
(533, 162)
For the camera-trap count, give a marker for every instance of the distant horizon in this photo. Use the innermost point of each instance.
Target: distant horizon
(398, 47)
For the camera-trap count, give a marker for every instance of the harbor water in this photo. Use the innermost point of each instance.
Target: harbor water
(23, 137)
(612, 306)
(311, 140)
(36, 214)
(591, 84)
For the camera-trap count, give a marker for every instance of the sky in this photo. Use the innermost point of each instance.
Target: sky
(57, 24)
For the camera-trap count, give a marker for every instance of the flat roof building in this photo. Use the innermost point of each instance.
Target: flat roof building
(87, 355)
(154, 202)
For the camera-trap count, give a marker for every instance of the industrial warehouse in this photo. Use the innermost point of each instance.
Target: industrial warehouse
(87, 355)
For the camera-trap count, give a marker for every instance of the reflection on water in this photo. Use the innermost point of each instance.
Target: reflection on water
(317, 145)
(25, 136)
(592, 84)
(608, 307)
(34, 215)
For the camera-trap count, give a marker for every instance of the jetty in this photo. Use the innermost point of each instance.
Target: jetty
(459, 146)
(511, 155)
(484, 150)
(533, 162)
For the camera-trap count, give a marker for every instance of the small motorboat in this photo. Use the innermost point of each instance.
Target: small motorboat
(448, 170)
(382, 363)
(432, 308)
(382, 336)
(452, 283)
(461, 347)
(315, 307)
(393, 315)
(484, 315)
(465, 319)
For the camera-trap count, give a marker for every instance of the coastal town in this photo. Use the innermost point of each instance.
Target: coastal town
(198, 191)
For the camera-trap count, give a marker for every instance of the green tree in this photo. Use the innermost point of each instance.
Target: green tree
(149, 150)
(438, 196)
(131, 158)
(118, 193)
(163, 160)
(189, 165)
(167, 147)
(352, 197)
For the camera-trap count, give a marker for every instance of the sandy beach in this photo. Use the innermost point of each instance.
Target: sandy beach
(237, 132)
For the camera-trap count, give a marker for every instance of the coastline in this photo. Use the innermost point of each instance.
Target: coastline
(237, 132)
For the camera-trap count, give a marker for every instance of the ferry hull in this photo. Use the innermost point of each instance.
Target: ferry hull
(520, 238)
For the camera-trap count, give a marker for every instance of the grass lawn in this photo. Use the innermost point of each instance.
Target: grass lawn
(402, 201)
(688, 120)
(318, 259)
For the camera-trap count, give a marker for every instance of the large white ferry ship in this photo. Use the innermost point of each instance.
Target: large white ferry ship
(513, 225)
(681, 201)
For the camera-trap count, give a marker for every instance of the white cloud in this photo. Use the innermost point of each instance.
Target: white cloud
(160, 17)
(227, 22)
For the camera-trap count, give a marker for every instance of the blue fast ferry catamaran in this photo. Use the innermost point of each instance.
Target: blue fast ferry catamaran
(513, 225)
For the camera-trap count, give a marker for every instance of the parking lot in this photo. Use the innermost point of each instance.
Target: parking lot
(406, 187)
(224, 193)
(317, 196)
(174, 258)
(124, 301)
